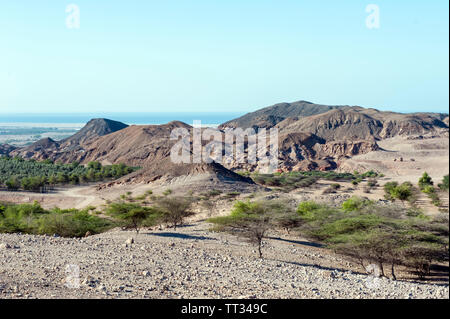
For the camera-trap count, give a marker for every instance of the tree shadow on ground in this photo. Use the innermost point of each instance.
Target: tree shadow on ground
(298, 242)
(181, 236)
(320, 267)
(439, 275)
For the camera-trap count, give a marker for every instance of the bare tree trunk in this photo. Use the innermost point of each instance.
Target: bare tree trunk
(380, 264)
(259, 249)
(393, 271)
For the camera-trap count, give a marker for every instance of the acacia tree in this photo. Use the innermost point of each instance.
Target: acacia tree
(132, 215)
(252, 221)
(381, 235)
(174, 210)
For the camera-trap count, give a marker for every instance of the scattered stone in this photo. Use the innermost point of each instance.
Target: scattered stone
(5, 246)
(211, 270)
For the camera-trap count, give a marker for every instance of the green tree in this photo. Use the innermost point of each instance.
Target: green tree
(132, 215)
(355, 203)
(251, 220)
(425, 180)
(445, 184)
(174, 210)
(13, 183)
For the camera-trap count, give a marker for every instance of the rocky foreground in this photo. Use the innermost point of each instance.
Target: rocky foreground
(190, 262)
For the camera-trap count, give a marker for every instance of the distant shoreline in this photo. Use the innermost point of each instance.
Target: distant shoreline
(80, 119)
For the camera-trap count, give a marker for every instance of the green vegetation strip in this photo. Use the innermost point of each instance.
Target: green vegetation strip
(33, 219)
(30, 175)
(299, 179)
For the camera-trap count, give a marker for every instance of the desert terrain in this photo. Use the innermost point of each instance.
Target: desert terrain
(193, 261)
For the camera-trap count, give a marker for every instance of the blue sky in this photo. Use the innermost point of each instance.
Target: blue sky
(225, 56)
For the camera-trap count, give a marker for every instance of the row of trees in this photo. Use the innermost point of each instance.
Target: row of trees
(360, 229)
(292, 180)
(17, 173)
(33, 219)
(171, 210)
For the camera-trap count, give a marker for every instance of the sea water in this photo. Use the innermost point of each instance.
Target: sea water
(27, 119)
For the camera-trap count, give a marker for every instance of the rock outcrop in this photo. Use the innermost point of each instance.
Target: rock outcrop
(5, 149)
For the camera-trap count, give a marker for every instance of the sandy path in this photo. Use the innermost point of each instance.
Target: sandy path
(418, 155)
(75, 192)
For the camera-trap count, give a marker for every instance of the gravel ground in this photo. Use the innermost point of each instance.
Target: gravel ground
(190, 262)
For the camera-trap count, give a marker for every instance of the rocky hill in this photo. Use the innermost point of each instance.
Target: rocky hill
(149, 147)
(5, 149)
(311, 137)
(145, 146)
(272, 115)
(61, 150)
(363, 124)
(41, 149)
(93, 129)
(314, 136)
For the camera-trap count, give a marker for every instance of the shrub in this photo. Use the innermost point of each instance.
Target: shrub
(403, 192)
(425, 180)
(428, 189)
(432, 194)
(307, 207)
(355, 203)
(372, 183)
(329, 190)
(288, 220)
(141, 197)
(33, 219)
(389, 189)
(71, 223)
(13, 183)
(131, 215)
(174, 210)
(444, 185)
